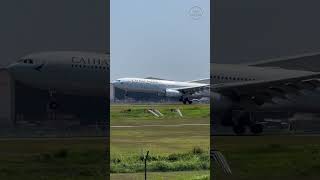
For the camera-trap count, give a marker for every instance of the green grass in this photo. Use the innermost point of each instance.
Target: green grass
(271, 157)
(171, 148)
(52, 159)
(197, 159)
(250, 157)
(83, 158)
(185, 175)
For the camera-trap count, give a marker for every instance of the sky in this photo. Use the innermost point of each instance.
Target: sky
(159, 38)
(251, 30)
(46, 25)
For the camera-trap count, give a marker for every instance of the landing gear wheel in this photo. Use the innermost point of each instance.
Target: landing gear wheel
(185, 101)
(256, 129)
(239, 129)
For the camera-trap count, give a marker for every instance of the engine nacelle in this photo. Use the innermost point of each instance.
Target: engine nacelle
(220, 103)
(173, 93)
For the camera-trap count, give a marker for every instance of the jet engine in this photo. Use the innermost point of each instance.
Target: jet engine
(173, 93)
(220, 103)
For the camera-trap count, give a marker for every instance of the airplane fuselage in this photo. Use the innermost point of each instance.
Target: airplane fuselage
(150, 85)
(225, 73)
(67, 72)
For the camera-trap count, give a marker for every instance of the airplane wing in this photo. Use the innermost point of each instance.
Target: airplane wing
(193, 89)
(305, 61)
(260, 92)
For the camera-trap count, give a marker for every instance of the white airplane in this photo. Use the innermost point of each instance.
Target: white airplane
(65, 72)
(185, 91)
(237, 91)
(240, 92)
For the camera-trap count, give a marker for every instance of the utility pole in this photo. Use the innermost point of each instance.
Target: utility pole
(145, 165)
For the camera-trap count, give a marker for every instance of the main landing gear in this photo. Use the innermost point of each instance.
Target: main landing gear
(185, 100)
(241, 129)
(244, 120)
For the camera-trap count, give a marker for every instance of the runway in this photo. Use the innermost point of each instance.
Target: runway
(155, 125)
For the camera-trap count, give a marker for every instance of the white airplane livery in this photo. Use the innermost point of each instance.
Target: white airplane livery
(64, 72)
(67, 72)
(185, 91)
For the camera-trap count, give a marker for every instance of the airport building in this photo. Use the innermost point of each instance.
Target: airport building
(7, 110)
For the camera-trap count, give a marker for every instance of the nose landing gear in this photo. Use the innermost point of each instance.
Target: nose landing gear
(52, 104)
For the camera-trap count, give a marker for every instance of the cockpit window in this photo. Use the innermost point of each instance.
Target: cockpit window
(26, 61)
(119, 81)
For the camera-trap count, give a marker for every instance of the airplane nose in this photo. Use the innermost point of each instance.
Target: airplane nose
(115, 83)
(11, 67)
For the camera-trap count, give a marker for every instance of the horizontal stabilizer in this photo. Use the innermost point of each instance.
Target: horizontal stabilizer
(155, 78)
(305, 62)
(204, 81)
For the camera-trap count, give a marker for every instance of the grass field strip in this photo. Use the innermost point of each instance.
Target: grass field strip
(177, 137)
(167, 125)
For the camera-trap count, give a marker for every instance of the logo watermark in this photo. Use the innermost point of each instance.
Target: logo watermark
(196, 12)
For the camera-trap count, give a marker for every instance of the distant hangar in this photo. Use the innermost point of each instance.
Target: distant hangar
(7, 99)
